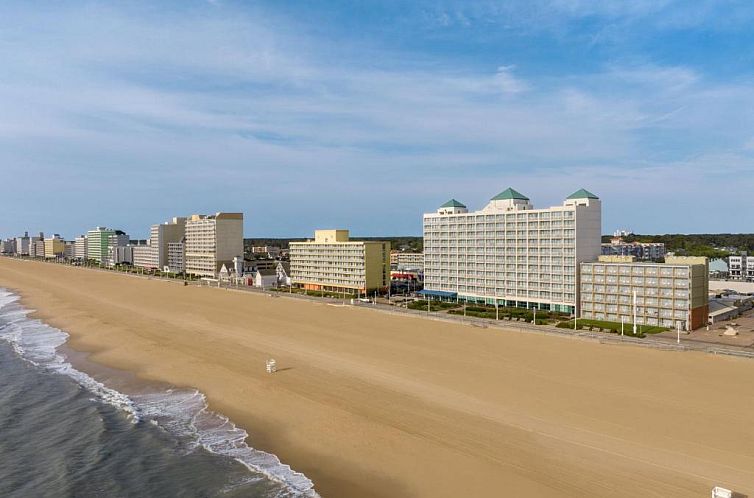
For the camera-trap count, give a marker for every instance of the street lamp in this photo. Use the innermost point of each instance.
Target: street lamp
(634, 312)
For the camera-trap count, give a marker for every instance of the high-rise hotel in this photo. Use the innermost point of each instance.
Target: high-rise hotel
(212, 241)
(510, 253)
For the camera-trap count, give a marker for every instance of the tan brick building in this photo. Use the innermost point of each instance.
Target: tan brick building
(333, 262)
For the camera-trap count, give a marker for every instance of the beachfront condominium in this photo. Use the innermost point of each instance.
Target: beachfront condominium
(98, 242)
(81, 247)
(69, 249)
(154, 254)
(143, 255)
(8, 246)
(177, 257)
(37, 248)
(22, 245)
(166, 233)
(118, 239)
(101, 239)
(333, 262)
(119, 254)
(509, 253)
(212, 241)
(671, 294)
(54, 247)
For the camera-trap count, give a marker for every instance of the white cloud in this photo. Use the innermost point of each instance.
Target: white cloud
(219, 103)
(507, 82)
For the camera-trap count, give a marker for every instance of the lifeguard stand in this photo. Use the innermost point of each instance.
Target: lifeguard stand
(718, 492)
(272, 366)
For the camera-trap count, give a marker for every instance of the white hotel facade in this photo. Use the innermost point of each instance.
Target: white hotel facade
(510, 253)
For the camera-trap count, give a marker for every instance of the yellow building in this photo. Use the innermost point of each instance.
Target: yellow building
(333, 262)
(54, 247)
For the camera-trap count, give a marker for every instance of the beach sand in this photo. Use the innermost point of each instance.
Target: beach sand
(369, 404)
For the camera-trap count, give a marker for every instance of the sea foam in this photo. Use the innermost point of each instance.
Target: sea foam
(182, 413)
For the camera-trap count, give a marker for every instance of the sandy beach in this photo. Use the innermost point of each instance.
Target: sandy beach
(369, 404)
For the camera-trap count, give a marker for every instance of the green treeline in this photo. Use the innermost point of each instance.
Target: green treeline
(713, 245)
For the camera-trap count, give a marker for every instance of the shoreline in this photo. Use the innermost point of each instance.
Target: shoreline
(375, 405)
(181, 412)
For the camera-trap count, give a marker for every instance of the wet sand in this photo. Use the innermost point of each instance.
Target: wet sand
(369, 404)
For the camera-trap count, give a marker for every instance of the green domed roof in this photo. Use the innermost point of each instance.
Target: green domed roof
(509, 194)
(582, 194)
(452, 203)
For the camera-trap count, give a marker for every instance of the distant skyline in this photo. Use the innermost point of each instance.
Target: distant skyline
(365, 115)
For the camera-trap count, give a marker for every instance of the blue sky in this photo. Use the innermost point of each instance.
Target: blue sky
(364, 115)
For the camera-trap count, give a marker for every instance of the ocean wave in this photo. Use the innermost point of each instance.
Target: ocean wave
(182, 413)
(185, 413)
(37, 343)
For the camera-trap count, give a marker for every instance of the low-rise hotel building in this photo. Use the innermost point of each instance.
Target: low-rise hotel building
(647, 251)
(736, 267)
(407, 260)
(333, 262)
(272, 252)
(670, 294)
(741, 267)
(213, 241)
(509, 253)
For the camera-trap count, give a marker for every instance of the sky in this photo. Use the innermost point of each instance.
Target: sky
(364, 115)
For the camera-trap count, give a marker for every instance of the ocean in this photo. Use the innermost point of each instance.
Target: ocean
(64, 433)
